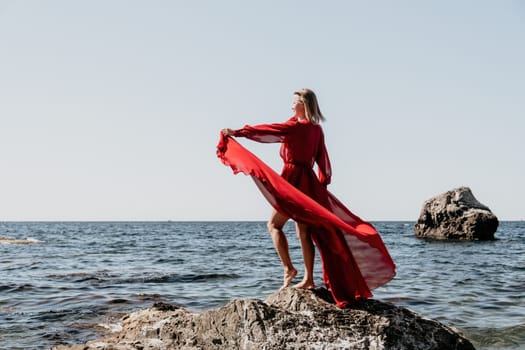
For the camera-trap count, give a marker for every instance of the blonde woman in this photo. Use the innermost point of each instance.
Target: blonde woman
(302, 144)
(354, 257)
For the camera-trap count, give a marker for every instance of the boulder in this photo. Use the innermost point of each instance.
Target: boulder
(288, 319)
(456, 215)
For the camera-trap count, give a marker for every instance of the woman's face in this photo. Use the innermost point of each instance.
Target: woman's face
(298, 106)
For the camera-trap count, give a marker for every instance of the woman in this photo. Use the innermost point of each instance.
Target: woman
(354, 258)
(302, 144)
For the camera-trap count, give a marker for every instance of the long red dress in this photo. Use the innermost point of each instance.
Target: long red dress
(354, 257)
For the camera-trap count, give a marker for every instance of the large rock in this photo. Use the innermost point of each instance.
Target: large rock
(289, 319)
(456, 215)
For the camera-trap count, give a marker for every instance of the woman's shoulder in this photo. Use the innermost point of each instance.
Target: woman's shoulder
(303, 124)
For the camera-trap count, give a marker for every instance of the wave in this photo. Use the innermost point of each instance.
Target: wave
(12, 287)
(113, 278)
(504, 337)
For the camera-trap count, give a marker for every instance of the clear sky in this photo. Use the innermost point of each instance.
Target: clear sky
(111, 110)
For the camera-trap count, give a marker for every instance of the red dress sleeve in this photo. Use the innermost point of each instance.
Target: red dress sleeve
(266, 133)
(323, 163)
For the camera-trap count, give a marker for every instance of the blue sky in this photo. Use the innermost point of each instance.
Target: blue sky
(111, 110)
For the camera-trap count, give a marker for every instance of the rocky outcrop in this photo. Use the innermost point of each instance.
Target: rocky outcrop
(289, 319)
(456, 215)
(8, 240)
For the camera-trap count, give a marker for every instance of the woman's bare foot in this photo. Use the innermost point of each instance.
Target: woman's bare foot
(305, 284)
(289, 275)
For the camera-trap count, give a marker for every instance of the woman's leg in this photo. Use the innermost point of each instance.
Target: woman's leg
(275, 227)
(307, 246)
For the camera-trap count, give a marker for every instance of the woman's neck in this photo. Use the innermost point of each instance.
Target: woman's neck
(300, 116)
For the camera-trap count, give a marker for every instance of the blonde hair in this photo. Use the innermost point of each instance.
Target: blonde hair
(311, 106)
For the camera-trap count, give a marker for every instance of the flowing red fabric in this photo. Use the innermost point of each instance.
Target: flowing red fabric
(353, 255)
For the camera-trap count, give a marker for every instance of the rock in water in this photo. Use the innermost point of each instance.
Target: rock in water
(288, 319)
(9, 240)
(456, 215)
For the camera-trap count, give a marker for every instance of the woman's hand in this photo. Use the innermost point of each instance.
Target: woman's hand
(228, 132)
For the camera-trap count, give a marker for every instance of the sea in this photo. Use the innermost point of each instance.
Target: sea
(70, 282)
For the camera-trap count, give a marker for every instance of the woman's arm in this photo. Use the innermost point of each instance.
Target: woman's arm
(266, 133)
(323, 163)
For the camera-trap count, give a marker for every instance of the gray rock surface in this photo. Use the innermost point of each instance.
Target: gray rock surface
(288, 319)
(456, 215)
